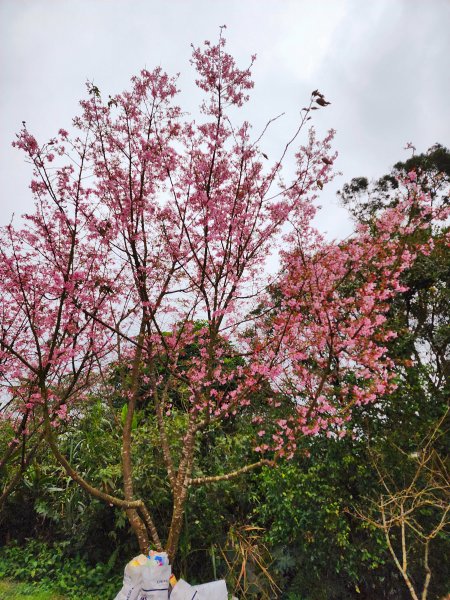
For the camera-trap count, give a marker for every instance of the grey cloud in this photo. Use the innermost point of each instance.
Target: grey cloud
(384, 64)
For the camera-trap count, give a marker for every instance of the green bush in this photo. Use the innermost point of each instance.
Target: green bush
(50, 566)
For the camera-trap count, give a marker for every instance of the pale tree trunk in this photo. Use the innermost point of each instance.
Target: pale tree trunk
(401, 566)
(140, 531)
(135, 520)
(181, 488)
(427, 571)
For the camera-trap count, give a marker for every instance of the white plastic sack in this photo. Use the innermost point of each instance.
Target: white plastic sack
(131, 587)
(155, 581)
(183, 591)
(215, 590)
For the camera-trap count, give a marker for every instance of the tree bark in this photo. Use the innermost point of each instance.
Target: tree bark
(137, 524)
(181, 490)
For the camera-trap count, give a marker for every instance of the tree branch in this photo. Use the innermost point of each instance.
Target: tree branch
(232, 474)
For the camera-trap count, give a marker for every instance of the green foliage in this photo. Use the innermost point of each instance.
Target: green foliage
(320, 550)
(52, 567)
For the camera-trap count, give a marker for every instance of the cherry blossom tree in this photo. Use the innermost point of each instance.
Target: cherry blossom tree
(152, 233)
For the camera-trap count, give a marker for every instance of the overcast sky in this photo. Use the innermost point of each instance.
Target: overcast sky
(384, 65)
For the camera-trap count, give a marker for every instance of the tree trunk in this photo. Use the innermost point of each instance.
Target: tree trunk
(181, 491)
(140, 530)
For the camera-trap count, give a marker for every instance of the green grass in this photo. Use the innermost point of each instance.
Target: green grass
(22, 591)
